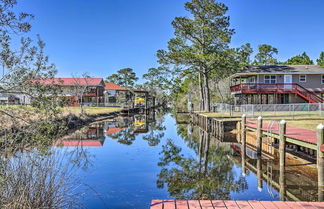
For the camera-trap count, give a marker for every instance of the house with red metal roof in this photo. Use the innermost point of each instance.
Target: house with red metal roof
(115, 95)
(86, 91)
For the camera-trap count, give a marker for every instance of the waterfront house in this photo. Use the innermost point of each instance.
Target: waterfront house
(278, 84)
(115, 95)
(88, 91)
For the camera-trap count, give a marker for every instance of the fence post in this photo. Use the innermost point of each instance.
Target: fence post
(320, 160)
(259, 136)
(282, 154)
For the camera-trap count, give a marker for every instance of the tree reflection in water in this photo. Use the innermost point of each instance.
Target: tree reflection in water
(209, 177)
(152, 129)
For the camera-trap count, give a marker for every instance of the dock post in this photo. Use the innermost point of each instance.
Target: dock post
(259, 136)
(320, 161)
(243, 140)
(238, 129)
(259, 173)
(243, 130)
(282, 154)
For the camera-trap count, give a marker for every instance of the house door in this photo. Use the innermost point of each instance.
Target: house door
(288, 81)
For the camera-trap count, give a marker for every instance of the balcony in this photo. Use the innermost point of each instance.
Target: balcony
(255, 88)
(90, 94)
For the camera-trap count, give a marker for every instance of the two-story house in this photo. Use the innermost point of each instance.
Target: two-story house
(278, 84)
(88, 91)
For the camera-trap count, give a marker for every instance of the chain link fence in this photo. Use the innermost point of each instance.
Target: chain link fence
(270, 110)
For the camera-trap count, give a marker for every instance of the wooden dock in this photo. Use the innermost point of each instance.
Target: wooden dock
(298, 136)
(230, 204)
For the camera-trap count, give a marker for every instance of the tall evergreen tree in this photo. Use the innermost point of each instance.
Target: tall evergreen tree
(201, 44)
(265, 56)
(302, 59)
(320, 60)
(125, 77)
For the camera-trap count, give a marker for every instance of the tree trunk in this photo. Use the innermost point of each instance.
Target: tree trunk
(207, 94)
(201, 91)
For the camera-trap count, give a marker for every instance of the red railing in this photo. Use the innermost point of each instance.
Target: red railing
(90, 94)
(277, 88)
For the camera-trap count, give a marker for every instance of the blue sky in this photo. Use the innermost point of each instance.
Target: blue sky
(102, 36)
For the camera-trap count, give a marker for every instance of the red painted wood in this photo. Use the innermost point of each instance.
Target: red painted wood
(157, 204)
(318, 205)
(218, 204)
(300, 134)
(206, 204)
(306, 205)
(228, 204)
(231, 204)
(268, 205)
(282, 205)
(256, 204)
(182, 204)
(194, 204)
(169, 204)
(244, 205)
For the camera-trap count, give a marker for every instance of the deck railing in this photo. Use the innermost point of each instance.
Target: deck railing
(277, 88)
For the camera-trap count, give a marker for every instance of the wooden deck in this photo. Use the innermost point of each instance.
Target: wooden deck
(229, 204)
(299, 136)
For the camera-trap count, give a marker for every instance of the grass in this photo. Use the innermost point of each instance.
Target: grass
(92, 110)
(73, 110)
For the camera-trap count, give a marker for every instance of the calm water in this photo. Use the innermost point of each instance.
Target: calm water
(127, 162)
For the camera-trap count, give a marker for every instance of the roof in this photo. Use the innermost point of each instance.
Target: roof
(79, 143)
(111, 131)
(112, 86)
(282, 69)
(71, 81)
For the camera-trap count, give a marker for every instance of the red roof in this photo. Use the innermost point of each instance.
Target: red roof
(71, 81)
(112, 86)
(79, 143)
(111, 131)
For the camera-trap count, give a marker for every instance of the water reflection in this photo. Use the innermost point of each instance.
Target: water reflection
(127, 161)
(209, 176)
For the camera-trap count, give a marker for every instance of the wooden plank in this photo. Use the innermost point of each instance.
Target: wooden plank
(231, 204)
(218, 204)
(294, 205)
(194, 204)
(282, 205)
(268, 205)
(157, 204)
(256, 204)
(169, 204)
(182, 204)
(306, 205)
(243, 205)
(206, 204)
(318, 205)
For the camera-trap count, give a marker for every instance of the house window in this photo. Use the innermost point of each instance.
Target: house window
(270, 79)
(322, 79)
(302, 78)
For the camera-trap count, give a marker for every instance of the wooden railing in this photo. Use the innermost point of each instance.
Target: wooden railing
(277, 88)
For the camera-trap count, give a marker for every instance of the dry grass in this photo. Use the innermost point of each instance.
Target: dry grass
(91, 110)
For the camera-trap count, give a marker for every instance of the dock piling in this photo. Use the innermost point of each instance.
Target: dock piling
(320, 161)
(259, 136)
(282, 156)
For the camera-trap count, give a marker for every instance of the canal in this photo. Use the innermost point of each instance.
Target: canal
(126, 162)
